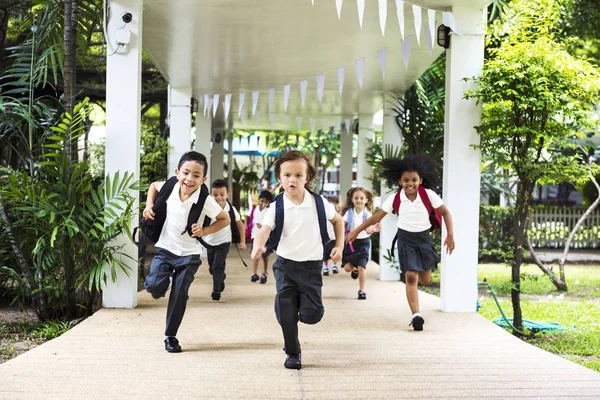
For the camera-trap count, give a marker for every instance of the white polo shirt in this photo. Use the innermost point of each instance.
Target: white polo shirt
(412, 215)
(224, 235)
(178, 211)
(258, 217)
(301, 237)
(357, 220)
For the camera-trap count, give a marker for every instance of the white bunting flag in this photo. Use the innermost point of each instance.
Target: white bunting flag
(286, 96)
(271, 95)
(227, 105)
(324, 124)
(257, 118)
(209, 105)
(313, 2)
(299, 122)
(431, 17)
(215, 103)
(382, 15)
(338, 6)
(242, 113)
(286, 121)
(303, 86)
(313, 124)
(254, 102)
(205, 104)
(361, 11)
(382, 57)
(450, 22)
(336, 124)
(347, 122)
(320, 86)
(340, 75)
(406, 45)
(400, 13)
(242, 98)
(359, 66)
(417, 16)
(428, 39)
(272, 118)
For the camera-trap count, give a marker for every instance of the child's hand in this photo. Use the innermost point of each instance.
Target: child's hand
(197, 231)
(243, 246)
(449, 243)
(336, 254)
(373, 228)
(351, 236)
(257, 252)
(148, 213)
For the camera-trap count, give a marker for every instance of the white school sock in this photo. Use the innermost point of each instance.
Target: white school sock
(417, 315)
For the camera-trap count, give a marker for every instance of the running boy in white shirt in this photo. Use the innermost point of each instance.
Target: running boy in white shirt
(264, 199)
(178, 250)
(296, 227)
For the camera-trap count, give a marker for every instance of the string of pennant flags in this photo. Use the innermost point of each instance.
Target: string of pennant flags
(211, 103)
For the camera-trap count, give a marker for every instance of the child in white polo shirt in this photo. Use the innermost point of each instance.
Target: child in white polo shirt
(296, 225)
(177, 250)
(415, 175)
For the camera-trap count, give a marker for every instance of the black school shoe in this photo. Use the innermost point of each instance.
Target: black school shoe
(216, 296)
(362, 295)
(263, 278)
(293, 361)
(254, 278)
(354, 273)
(417, 323)
(172, 345)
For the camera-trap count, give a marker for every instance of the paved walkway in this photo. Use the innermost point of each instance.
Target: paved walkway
(232, 350)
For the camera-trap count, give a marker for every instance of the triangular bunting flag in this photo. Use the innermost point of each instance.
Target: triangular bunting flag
(320, 86)
(340, 75)
(286, 121)
(406, 45)
(313, 124)
(303, 86)
(215, 104)
(271, 95)
(286, 96)
(272, 118)
(242, 115)
(227, 105)
(242, 98)
(361, 11)
(400, 13)
(209, 105)
(359, 66)
(382, 15)
(254, 102)
(428, 39)
(205, 104)
(299, 122)
(313, 2)
(382, 57)
(431, 18)
(338, 6)
(324, 124)
(347, 122)
(450, 22)
(417, 16)
(336, 124)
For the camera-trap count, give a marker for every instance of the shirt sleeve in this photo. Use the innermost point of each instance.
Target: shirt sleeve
(435, 200)
(329, 209)
(387, 205)
(269, 217)
(237, 214)
(159, 186)
(211, 207)
(345, 216)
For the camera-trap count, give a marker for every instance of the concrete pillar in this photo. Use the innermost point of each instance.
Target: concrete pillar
(346, 160)
(180, 125)
(230, 154)
(203, 139)
(218, 137)
(365, 140)
(123, 109)
(461, 181)
(392, 136)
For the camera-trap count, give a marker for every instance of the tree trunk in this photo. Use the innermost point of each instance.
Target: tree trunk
(70, 67)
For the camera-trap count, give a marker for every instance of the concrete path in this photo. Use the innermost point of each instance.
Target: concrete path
(232, 350)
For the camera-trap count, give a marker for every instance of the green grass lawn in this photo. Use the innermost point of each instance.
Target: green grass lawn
(579, 308)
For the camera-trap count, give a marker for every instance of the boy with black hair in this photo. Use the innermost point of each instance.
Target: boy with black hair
(218, 244)
(177, 249)
(264, 199)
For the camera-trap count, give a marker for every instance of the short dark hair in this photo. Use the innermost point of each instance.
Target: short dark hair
(265, 194)
(219, 183)
(194, 156)
(293, 155)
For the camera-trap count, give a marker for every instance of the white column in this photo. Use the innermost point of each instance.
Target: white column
(392, 136)
(218, 138)
(365, 140)
(461, 183)
(230, 154)
(345, 161)
(203, 139)
(180, 125)
(123, 109)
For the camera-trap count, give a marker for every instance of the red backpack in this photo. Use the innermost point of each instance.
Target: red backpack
(434, 217)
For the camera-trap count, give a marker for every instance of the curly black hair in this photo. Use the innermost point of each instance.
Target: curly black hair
(393, 168)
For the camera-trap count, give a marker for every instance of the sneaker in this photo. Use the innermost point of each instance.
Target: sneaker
(326, 271)
(216, 296)
(172, 345)
(362, 295)
(157, 296)
(263, 278)
(293, 361)
(254, 278)
(354, 273)
(417, 323)
(334, 269)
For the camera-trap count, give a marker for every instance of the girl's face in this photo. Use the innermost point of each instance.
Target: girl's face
(410, 182)
(359, 199)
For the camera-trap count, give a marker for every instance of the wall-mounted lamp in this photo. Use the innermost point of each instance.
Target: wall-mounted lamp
(443, 36)
(194, 105)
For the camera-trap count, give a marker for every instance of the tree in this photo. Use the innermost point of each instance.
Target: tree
(536, 100)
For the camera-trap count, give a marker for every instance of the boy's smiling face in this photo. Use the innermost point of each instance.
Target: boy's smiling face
(220, 195)
(190, 176)
(263, 203)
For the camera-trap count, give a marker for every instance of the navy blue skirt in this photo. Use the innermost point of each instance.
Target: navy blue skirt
(360, 255)
(416, 251)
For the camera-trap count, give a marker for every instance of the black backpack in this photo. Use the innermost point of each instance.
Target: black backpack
(151, 229)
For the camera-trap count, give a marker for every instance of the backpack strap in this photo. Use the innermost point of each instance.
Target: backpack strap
(396, 203)
(275, 235)
(349, 222)
(197, 208)
(322, 216)
(235, 232)
(425, 199)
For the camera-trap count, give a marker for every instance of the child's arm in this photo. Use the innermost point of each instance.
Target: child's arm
(242, 230)
(372, 220)
(152, 193)
(222, 221)
(338, 226)
(449, 241)
(260, 239)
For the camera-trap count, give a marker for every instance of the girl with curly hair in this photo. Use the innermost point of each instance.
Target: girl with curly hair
(416, 253)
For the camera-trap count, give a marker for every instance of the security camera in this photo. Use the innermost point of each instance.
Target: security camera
(127, 17)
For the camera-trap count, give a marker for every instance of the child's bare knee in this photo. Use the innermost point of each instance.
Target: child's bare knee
(411, 278)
